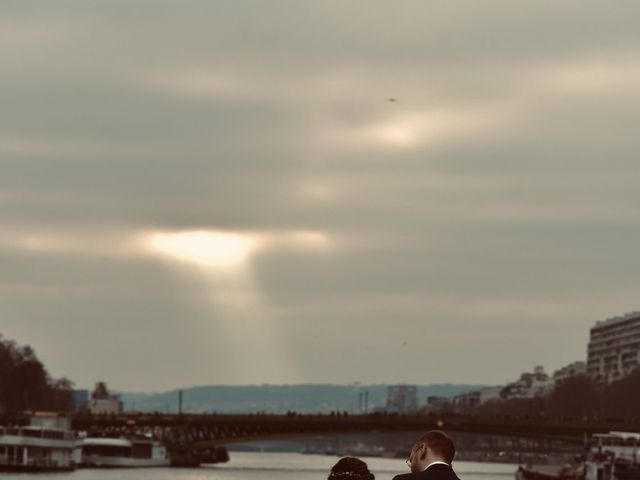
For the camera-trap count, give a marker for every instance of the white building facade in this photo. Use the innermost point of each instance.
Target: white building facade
(614, 348)
(102, 402)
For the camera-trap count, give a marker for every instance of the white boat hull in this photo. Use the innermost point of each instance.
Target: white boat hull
(98, 461)
(123, 453)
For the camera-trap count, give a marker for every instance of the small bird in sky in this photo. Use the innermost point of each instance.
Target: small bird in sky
(392, 100)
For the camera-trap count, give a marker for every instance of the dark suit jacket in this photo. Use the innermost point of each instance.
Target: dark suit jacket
(434, 472)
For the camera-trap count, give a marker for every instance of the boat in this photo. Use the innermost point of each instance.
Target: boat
(46, 445)
(99, 452)
(614, 455)
(610, 456)
(551, 472)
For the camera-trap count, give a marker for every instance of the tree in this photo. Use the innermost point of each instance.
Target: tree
(623, 397)
(25, 383)
(577, 397)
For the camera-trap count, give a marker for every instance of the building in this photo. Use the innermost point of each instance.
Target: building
(402, 399)
(469, 401)
(438, 404)
(614, 347)
(466, 402)
(530, 385)
(80, 400)
(102, 402)
(490, 393)
(571, 370)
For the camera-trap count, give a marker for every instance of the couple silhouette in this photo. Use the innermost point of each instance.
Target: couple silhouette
(430, 459)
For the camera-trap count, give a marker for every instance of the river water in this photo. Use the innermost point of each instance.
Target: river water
(271, 466)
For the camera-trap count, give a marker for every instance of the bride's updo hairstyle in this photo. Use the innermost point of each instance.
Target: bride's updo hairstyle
(350, 468)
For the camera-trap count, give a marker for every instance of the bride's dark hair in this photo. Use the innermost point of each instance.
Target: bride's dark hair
(350, 468)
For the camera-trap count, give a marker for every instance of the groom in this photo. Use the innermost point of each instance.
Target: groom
(431, 458)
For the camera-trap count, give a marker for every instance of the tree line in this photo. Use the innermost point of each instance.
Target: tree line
(26, 385)
(576, 398)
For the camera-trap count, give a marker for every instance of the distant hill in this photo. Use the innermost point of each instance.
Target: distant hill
(277, 398)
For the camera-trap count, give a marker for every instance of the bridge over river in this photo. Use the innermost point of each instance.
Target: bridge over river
(199, 438)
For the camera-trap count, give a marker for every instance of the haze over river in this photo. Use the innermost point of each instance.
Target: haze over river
(272, 466)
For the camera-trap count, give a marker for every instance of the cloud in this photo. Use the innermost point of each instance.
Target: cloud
(196, 179)
(411, 129)
(54, 148)
(608, 76)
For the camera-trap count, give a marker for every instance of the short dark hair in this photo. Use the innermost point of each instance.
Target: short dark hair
(440, 444)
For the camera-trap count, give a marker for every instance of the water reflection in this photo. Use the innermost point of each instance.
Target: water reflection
(271, 466)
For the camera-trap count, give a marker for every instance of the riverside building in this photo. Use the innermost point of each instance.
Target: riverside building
(572, 370)
(102, 402)
(614, 348)
(530, 385)
(467, 402)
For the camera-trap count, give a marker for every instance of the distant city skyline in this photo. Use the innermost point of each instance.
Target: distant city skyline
(319, 192)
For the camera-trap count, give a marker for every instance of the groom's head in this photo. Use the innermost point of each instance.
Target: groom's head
(433, 446)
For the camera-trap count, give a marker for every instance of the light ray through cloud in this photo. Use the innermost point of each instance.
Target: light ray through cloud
(242, 313)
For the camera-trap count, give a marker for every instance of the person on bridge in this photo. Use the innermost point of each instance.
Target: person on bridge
(350, 468)
(431, 458)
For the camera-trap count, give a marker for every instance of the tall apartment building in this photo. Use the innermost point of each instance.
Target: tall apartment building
(402, 398)
(614, 348)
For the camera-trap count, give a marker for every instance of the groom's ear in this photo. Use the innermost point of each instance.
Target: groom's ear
(423, 455)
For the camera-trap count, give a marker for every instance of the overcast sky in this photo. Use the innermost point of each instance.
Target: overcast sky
(200, 192)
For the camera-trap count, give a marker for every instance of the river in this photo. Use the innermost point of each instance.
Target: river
(272, 466)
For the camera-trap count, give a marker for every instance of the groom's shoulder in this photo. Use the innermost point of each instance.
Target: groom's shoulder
(437, 472)
(411, 476)
(406, 476)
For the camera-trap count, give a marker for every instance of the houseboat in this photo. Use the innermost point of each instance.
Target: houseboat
(610, 456)
(98, 452)
(46, 445)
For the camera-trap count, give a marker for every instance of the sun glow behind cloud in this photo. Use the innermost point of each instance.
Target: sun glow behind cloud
(204, 248)
(228, 250)
(420, 127)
